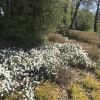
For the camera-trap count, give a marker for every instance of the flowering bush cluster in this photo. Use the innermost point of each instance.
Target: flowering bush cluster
(21, 70)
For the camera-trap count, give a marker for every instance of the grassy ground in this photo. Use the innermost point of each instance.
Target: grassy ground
(87, 37)
(87, 88)
(84, 85)
(90, 41)
(73, 83)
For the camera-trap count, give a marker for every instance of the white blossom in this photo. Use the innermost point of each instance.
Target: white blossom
(26, 66)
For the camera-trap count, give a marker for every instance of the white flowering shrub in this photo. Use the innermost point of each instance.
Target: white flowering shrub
(74, 55)
(21, 70)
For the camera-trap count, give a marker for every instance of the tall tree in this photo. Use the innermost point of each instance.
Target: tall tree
(75, 13)
(96, 15)
(27, 19)
(76, 4)
(85, 19)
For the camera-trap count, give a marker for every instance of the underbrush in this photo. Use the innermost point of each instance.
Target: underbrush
(24, 70)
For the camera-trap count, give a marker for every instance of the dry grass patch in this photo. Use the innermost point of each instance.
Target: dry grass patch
(89, 37)
(17, 95)
(78, 92)
(97, 73)
(47, 91)
(90, 83)
(95, 95)
(88, 88)
(93, 51)
(54, 37)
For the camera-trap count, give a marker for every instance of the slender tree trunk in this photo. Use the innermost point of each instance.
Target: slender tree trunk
(72, 11)
(96, 16)
(75, 14)
(76, 23)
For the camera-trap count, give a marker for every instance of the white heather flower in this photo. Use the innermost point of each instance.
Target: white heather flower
(20, 69)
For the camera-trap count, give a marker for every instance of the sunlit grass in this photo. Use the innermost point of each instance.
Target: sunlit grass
(17, 95)
(90, 83)
(87, 87)
(88, 37)
(97, 73)
(78, 92)
(47, 91)
(95, 95)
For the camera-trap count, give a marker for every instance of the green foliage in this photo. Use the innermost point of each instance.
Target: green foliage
(27, 20)
(2, 27)
(45, 39)
(98, 26)
(67, 11)
(85, 20)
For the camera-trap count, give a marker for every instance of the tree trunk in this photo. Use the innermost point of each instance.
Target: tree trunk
(96, 16)
(76, 23)
(75, 14)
